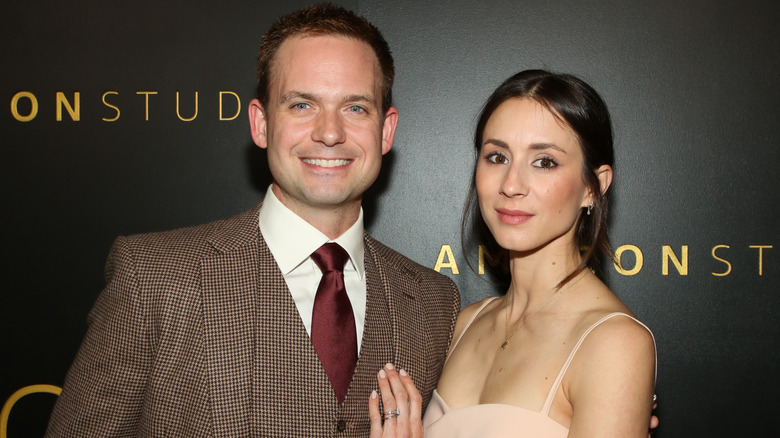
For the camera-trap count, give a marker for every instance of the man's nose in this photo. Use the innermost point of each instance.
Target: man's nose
(329, 128)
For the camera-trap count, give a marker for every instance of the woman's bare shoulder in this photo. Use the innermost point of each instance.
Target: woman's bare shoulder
(620, 342)
(468, 313)
(612, 373)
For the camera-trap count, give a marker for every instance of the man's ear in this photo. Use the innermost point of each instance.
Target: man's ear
(258, 123)
(388, 129)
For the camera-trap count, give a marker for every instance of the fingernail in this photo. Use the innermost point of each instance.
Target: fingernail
(382, 374)
(402, 372)
(389, 366)
(373, 394)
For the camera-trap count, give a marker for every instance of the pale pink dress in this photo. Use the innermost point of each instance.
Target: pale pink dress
(500, 420)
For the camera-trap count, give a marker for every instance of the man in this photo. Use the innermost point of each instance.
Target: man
(219, 329)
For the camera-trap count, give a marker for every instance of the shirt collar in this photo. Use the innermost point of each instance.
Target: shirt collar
(292, 240)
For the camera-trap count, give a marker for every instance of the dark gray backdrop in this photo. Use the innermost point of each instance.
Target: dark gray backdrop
(691, 86)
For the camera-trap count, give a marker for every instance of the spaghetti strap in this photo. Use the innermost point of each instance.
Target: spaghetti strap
(557, 383)
(468, 324)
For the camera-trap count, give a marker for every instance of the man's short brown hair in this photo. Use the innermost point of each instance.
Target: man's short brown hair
(318, 20)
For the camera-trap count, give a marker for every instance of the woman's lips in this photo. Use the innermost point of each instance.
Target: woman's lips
(513, 217)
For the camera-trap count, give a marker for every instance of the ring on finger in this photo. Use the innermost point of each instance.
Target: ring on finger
(392, 414)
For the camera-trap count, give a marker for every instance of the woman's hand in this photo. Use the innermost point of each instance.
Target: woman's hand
(654, 421)
(402, 406)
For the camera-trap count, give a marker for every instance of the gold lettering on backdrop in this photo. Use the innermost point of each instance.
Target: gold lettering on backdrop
(492, 259)
(15, 106)
(196, 108)
(27, 390)
(238, 105)
(25, 105)
(446, 251)
(620, 266)
(728, 264)
(668, 254)
(446, 259)
(74, 111)
(110, 106)
(146, 93)
(761, 249)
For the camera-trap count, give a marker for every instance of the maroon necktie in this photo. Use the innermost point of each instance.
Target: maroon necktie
(333, 324)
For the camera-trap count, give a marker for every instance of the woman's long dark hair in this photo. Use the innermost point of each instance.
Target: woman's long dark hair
(579, 106)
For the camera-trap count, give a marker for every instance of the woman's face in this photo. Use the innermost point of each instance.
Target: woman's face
(529, 178)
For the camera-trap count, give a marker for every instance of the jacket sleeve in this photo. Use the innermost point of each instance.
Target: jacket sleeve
(104, 388)
(455, 310)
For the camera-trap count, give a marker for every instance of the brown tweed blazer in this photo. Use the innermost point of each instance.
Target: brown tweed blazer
(196, 335)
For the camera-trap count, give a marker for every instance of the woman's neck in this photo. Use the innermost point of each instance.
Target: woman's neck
(536, 274)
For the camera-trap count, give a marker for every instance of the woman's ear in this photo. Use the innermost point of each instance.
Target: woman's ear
(604, 174)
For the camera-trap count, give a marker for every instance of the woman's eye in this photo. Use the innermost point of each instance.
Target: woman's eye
(545, 163)
(497, 158)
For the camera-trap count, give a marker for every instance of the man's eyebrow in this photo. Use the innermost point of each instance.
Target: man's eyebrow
(294, 95)
(359, 98)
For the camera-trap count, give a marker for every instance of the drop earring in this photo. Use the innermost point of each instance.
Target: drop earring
(590, 208)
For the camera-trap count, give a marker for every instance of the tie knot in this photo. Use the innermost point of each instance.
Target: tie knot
(330, 257)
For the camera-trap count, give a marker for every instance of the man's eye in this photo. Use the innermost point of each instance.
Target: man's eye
(300, 105)
(356, 109)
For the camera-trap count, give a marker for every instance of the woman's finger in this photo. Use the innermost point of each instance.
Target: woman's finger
(415, 404)
(374, 415)
(388, 402)
(401, 400)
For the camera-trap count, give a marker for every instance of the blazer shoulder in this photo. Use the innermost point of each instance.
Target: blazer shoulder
(391, 257)
(222, 234)
(438, 291)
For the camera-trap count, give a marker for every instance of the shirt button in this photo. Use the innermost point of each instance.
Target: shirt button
(341, 426)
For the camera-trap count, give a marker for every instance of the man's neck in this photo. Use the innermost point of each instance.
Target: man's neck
(331, 221)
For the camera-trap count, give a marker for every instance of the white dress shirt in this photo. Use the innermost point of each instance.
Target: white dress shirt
(292, 240)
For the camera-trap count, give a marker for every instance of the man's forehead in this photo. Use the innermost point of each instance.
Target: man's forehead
(303, 41)
(329, 61)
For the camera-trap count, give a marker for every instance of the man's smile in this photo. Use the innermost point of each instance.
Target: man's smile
(325, 163)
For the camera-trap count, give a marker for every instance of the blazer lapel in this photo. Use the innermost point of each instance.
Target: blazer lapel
(229, 297)
(409, 340)
(376, 347)
(292, 393)
(264, 376)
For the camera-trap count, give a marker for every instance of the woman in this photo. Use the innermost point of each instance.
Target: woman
(559, 355)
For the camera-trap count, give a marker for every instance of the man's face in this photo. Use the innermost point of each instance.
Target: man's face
(323, 125)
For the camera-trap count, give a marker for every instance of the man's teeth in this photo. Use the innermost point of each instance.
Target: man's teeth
(326, 163)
